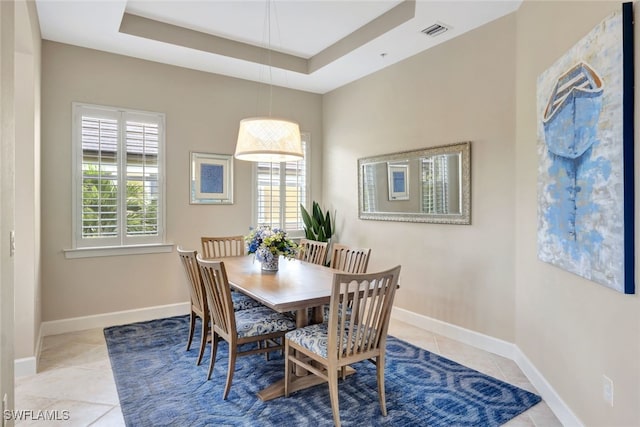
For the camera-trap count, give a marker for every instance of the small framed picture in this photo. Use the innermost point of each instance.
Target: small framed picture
(398, 174)
(211, 179)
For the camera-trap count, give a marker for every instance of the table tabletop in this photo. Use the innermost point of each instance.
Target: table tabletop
(295, 286)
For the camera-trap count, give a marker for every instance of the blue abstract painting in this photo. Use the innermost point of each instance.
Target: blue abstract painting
(211, 178)
(581, 173)
(398, 182)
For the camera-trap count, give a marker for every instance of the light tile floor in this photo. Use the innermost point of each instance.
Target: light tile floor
(75, 375)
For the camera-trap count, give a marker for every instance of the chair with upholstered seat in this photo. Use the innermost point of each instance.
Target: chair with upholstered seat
(220, 247)
(199, 301)
(312, 251)
(348, 259)
(225, 246)
(261, 326)
(350, 336)
(198, 298)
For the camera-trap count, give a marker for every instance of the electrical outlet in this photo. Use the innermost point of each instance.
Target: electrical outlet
(607, 390)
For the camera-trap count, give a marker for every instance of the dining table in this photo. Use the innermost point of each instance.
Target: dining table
(297, 286)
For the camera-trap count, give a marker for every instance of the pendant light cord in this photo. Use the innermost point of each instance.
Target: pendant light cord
(269, 55)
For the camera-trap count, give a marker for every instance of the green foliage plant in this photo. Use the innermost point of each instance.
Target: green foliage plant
(318, 224)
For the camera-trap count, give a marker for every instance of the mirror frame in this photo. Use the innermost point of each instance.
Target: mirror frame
(463, 218)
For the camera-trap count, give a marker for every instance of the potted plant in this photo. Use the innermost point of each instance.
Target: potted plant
(317, 225)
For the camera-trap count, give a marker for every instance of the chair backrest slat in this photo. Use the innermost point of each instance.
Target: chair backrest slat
(349, 260)
(312, 251)
(191, 269)
(218, 293)
(372, 316)
(359, 312)
(220, 247)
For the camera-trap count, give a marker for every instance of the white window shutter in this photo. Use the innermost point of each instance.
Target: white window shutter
(280, 189)
(118, 196)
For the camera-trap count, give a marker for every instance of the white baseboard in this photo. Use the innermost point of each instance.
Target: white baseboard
(28, 365)
(551, 398)
(55, 327)
(25, 366)
(467, 336)
(496, 346)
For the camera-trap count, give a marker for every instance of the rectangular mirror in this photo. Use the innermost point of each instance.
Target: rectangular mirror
(428, 185)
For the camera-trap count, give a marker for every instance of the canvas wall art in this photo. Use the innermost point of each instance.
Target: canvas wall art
(585, 152)
(211, 179)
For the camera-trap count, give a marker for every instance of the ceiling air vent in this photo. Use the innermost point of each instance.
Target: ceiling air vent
(435, 29)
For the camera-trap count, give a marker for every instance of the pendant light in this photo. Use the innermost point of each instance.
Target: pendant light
(268, 139)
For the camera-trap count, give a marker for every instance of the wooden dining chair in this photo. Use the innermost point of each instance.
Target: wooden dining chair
(220, 247)
(348, 259)
(198, 299)
(350, 336)
(262, 326)
(312, 251)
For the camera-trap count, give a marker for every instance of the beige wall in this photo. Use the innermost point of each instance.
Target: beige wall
(7, 197)
(486, 277)
(202, 114)
(27, 158)
(573, 330)
(462, 90)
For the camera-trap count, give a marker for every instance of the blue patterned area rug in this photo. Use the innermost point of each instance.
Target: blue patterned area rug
(159, 384)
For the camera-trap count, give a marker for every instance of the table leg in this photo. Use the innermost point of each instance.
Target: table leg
(302, 318)
(318, 314)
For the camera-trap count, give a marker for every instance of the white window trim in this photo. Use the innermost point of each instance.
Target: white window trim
(306, 136)
(123, 246)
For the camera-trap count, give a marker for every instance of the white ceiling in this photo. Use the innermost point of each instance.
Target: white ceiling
(329, 42)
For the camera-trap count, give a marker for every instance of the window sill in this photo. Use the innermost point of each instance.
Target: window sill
(117, 250)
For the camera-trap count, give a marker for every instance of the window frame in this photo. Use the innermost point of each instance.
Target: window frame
(306, 137)
(122, 243)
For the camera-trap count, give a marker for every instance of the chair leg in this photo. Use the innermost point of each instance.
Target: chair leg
(287, 368)
(230, 370)
(214, 350)
(192, 326)
(333, 394)
(204, 333)
(380, 375)
(266, 346)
